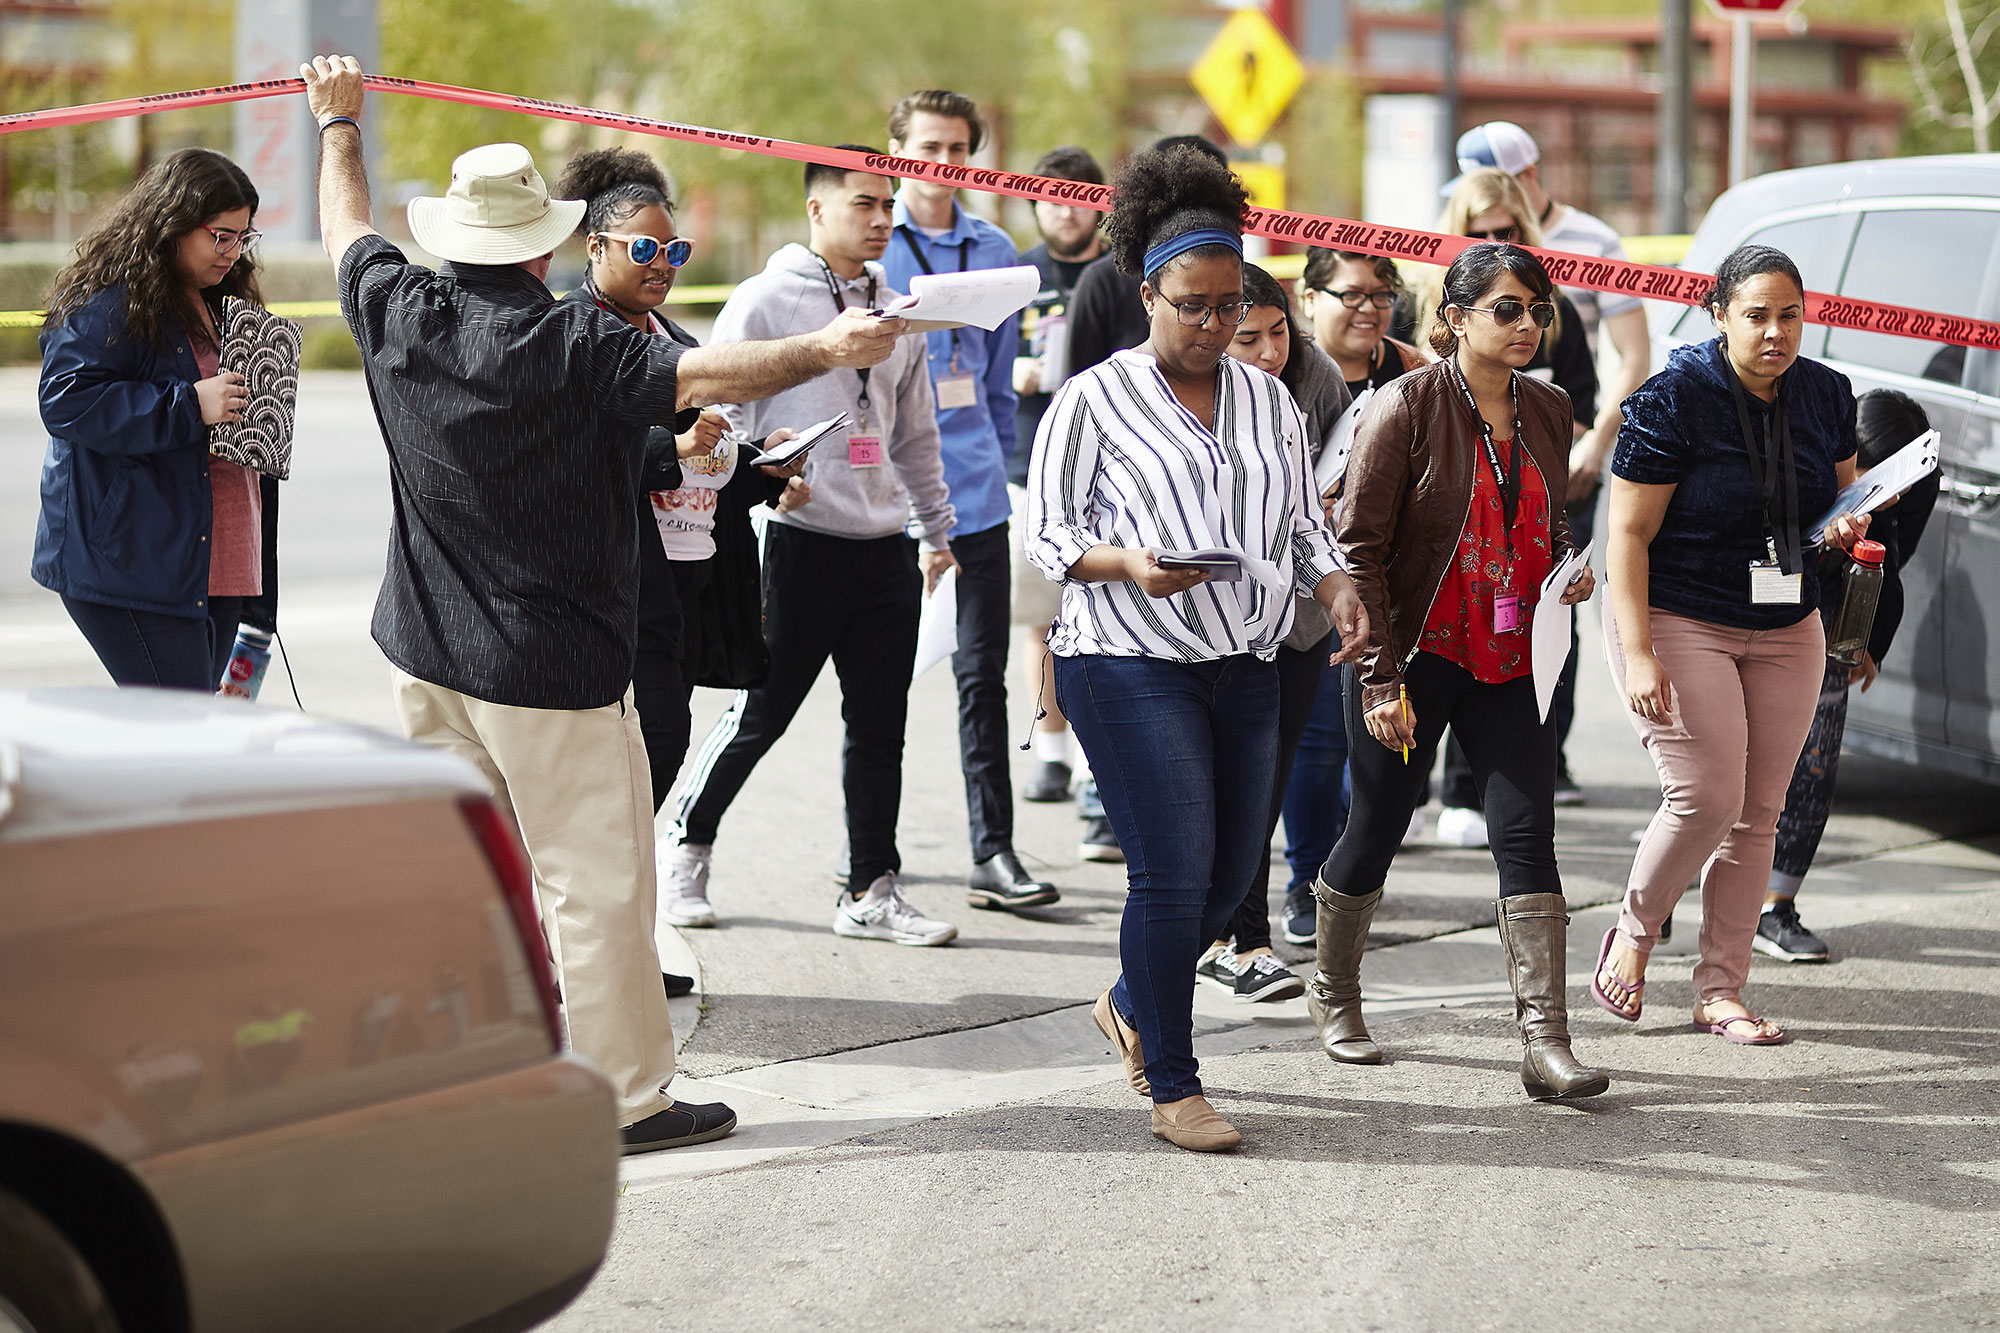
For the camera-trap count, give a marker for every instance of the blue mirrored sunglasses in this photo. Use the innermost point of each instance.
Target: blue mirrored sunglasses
(645, 249)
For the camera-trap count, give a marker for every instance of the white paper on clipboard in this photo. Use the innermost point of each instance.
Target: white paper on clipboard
(1332, 464)
(1883, 482)
(937, 625)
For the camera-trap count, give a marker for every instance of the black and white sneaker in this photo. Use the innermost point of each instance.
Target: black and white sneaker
(1217, 967)
(1263, 979)
(678, 1126)
(1099, 842)
(1050, 783)
(1780, 934)
(1301, 915)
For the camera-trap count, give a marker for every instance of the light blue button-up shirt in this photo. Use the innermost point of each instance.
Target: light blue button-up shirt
(977, 440)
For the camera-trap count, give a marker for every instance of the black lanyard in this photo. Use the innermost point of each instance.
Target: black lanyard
(840, 304)
(1773, 468)
(1507, 478)
(964, 253)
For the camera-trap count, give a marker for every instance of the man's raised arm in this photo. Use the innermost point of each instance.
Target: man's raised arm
(334, 90)
(746, 371)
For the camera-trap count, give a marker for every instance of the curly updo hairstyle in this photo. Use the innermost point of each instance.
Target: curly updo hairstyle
(1473, 274)
(614, 183)
(1165, 192)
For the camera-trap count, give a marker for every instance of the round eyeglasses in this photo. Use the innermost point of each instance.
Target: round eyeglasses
(645, 249)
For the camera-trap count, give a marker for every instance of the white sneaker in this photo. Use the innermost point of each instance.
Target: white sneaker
(1458, 827)
(883, 913)
(684, 883)
(1415, 832)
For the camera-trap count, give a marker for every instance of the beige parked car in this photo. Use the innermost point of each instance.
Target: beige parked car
(278, 1043)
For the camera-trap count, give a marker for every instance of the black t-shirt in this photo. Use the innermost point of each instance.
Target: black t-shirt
(1387, 366)
(516, 427)
(1059, 279)
(1105, 315)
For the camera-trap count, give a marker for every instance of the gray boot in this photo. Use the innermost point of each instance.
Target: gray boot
(1533, 927)
(1334, 998)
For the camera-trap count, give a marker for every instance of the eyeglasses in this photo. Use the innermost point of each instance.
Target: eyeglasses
(226, 240)
(1507, 310)
(1354, 298)
(1194, 314)
(645, 249)
(1497, 234)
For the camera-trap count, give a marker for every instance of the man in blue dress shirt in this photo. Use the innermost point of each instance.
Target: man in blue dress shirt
(972, 373)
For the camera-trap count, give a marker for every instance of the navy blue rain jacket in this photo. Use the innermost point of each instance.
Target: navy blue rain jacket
(126, 507)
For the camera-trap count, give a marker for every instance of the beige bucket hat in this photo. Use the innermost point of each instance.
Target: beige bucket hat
(497, 211)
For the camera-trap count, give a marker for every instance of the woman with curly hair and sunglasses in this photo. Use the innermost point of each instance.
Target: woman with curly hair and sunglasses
(153, 544)
(1451, 520)
(1164, 670)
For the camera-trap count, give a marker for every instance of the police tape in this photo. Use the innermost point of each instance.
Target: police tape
(1622, 277)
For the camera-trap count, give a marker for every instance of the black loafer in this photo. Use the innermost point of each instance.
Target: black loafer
(1001, 883)
(678, 1126)
(677, 985)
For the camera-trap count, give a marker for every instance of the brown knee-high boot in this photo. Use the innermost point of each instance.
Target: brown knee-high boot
(1533, 927)
(1334, 998)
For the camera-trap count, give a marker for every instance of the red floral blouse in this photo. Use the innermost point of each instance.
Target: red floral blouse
(1461, 624)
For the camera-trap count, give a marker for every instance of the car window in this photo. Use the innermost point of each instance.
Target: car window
(1818, 245)
(1924, 258)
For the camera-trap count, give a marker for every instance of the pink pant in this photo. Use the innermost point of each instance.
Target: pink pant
(1742, 704)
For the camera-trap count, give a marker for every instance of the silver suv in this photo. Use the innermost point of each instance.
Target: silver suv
(1925, 233)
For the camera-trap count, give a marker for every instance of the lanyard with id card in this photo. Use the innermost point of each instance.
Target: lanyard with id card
(1779, 578)
(1507, 610)
(955, 388)
(863, 449)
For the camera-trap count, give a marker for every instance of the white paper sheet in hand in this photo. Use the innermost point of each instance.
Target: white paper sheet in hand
(1549, 636)
(1332, 464)
(981, 296)
(937, 626)
(1888, 479)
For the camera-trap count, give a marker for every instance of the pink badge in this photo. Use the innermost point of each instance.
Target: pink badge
(864, 451)
(1506, 614)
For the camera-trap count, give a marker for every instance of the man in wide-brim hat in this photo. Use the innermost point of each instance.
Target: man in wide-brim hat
(517, 429)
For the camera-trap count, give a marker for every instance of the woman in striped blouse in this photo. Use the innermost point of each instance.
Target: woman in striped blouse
(1165, 671)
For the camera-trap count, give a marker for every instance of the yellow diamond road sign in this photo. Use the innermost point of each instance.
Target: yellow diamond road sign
(1247, 75)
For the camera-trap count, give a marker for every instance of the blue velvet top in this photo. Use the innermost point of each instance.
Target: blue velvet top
(1681, 429)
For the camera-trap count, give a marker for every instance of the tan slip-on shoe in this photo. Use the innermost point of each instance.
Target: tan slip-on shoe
(1193, 1124)
(1121, 1035)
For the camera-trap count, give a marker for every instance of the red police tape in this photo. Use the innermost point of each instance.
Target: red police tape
(1652, 281)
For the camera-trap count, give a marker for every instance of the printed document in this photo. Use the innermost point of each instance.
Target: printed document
(981, 296)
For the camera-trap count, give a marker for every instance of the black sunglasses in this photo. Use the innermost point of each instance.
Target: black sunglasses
(1497, 234)
(1507, 310)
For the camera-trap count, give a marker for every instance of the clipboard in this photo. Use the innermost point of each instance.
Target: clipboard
(794, 449)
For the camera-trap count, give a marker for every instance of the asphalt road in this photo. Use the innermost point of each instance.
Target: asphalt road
(939, 1139)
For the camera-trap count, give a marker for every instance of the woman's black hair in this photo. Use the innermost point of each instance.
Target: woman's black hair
(1322, 264)
(1473, 274)
(1884, 421)
(614, 183)
(1744, 263)
(1261, 289)
(1161, 194)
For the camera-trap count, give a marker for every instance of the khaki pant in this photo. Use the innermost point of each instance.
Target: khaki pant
(577, 783)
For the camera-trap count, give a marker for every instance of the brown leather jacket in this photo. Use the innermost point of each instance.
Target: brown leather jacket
(1407, 493)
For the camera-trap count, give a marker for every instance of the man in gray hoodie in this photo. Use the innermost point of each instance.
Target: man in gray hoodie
(842, 580)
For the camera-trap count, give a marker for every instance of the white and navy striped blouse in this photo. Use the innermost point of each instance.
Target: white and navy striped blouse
(1119, 462)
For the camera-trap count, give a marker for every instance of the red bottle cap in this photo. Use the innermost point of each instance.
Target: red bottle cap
(1866, 552)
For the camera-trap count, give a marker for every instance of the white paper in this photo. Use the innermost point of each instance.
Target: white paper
(1549, 636)
(1055, 351)
(981, 296)
(1332, 464)
(937, 626)
(1883, 482)
(1239, 564)
(780, 455)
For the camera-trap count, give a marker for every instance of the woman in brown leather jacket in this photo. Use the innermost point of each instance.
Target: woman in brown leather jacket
(1451, 519)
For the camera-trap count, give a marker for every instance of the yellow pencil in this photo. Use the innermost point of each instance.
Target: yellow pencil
(1403, 693)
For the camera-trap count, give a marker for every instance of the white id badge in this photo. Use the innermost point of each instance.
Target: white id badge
(1771, 586)
(958, 390)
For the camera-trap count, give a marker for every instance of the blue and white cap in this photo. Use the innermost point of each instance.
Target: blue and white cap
(1498, 143)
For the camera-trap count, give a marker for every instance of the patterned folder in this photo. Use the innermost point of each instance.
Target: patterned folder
(264, 349)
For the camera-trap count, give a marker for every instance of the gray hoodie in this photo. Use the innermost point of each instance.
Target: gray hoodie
(789, 297)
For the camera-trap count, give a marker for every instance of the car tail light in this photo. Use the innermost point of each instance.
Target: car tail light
(509, 860)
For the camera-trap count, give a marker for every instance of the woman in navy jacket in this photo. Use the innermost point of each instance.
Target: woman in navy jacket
(153, 548)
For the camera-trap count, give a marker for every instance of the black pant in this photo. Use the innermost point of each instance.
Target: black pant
(854, 601)
(1512, 753)
(1299, 676)
(148, 648)
(668, 660)
(985, 589)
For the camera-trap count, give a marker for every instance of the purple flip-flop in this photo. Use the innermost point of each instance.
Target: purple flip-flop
(1604, 1001)
(1762, 1038)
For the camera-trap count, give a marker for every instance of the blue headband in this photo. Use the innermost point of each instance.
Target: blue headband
(1157, 257)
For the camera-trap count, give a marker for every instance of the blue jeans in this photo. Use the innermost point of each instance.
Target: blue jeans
(148, 648)
(1316, 798)
(1185, 754)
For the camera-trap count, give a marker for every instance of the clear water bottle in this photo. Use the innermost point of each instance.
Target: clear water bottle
(1854, 616)
(244, 675)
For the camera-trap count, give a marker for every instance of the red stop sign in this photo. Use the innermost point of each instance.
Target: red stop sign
(1745, 8)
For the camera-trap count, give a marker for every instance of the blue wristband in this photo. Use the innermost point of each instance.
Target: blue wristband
(330, 121)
